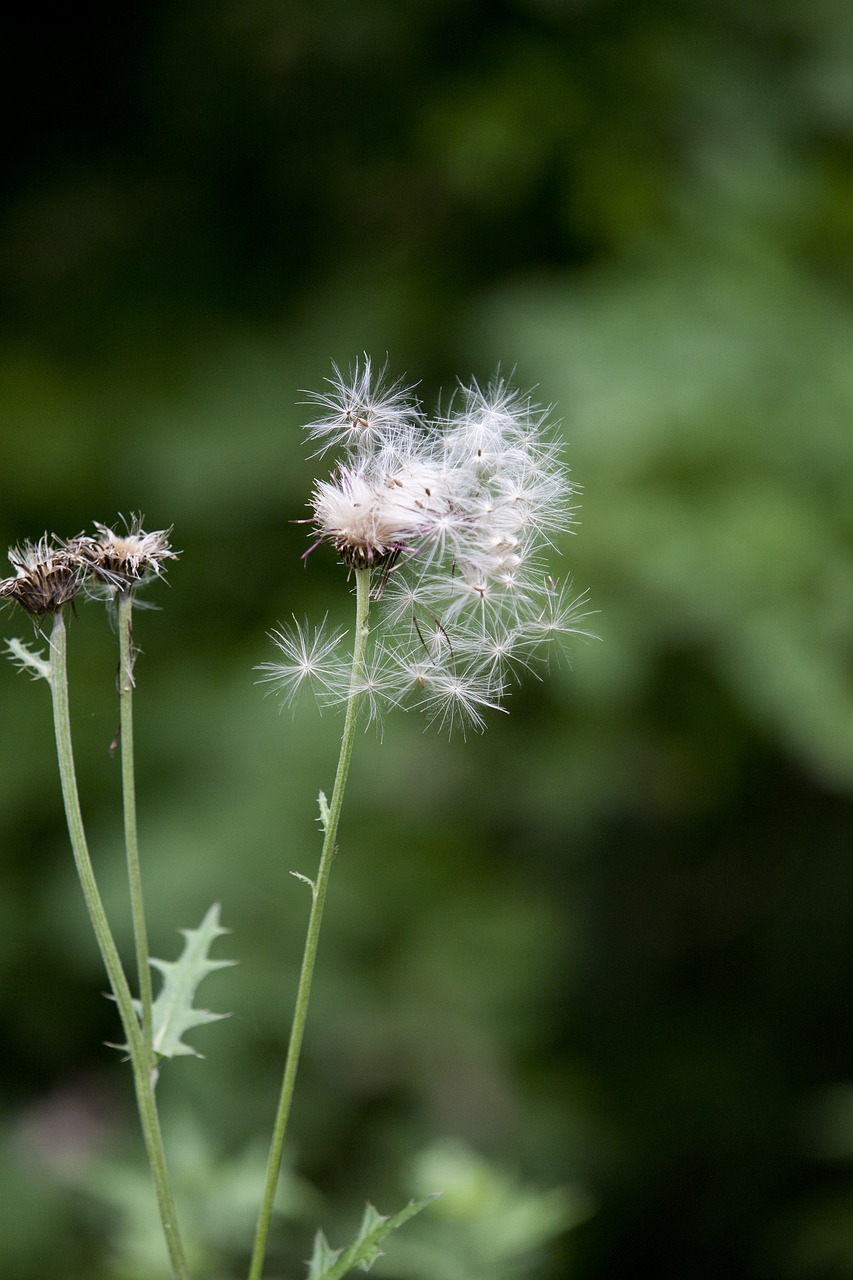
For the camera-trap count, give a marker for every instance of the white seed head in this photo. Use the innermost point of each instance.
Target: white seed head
(455, 513)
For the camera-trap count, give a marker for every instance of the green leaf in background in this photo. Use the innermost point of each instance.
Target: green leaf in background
(331, 1264)
(217, 1191)
(488, 1225)
(173, 1010)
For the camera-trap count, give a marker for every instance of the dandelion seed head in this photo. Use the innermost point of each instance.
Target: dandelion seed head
(455, 513)
(361, 520)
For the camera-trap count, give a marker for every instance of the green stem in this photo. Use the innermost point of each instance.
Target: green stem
(142, 1076)
(318, 895)
(131, 838)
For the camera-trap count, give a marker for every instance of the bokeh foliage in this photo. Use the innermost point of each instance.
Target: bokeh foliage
(607, 947)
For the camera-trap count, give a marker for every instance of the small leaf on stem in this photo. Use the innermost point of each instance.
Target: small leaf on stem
(332, 1264)
(173, 1013)
(27, 659)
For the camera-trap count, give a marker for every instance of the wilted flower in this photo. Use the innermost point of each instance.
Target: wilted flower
(50, 572)
(123, 560)
(453, 514)
(47, 576)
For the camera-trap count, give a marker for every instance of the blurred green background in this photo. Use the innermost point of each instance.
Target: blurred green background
(592, 972)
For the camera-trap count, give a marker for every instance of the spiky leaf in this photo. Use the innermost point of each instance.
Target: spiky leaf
(323, 1257)
(173, 1013)
(27, 659)
(331, 1264)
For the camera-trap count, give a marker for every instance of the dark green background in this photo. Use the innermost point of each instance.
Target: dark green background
(610, 943)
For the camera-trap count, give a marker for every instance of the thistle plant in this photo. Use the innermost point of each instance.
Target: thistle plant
(444, 526)
(48, 575)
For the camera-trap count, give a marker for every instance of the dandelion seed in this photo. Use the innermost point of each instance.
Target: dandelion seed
(362, 410)
(561, 615)
(453, 701)
(377, 687)
(308, 658)
(501, 651)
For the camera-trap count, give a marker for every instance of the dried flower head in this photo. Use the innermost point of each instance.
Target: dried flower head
(455, 513)
(121, 561)
(47, 576)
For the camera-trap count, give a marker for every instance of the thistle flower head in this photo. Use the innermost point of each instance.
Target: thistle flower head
(50, 572)
(121, 561)
(455, 513)
(47, 576)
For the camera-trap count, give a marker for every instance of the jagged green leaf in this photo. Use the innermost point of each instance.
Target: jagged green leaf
(323, 1257)
(173, 1012)
(27, 659)
(331, 1264)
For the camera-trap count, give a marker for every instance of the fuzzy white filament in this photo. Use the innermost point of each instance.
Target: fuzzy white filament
(308, 659)
(453, 514)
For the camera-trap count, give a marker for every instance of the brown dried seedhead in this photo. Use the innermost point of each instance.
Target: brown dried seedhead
(123, 560)
(47, 576)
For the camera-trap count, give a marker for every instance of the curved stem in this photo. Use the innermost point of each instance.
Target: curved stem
(142, 1076)
(131, 837)
(318, 895)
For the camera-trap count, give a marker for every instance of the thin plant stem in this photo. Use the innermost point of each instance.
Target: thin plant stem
(318, 898)
(142, 1075)
(131, 837)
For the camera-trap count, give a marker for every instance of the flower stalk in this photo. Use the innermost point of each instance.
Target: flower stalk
(331, 818)
(140, 1054)
(131, 836)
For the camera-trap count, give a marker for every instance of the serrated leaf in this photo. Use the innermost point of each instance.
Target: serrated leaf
(370, 1233)
(27, 659)
(332, 1264)
(323, 1257)
(173, 1013)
